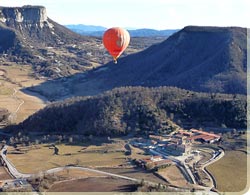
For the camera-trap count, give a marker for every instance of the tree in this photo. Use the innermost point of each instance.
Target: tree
(56, 150)
(12, 140)
(223, 125)
(171, 116)
(19, 134)
(159, 186)
(36, 141)
(78, 161)
(179, 122)
(71, 139)
(60, 138)
(142, 183)
(234, 132)
(90, 137)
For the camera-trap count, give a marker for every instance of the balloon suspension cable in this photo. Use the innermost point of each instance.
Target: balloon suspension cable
(115, 60)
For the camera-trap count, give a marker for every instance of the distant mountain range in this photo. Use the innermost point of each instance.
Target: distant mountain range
(99, 30)
(85, 28)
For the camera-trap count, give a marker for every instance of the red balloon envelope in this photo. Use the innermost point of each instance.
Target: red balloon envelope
(116, 40)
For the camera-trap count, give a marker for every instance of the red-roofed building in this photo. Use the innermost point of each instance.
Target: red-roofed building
(185, 133)
(153, 162)
(204, 136)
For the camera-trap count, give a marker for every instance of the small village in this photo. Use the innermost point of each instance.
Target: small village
(188, 151)
(183, 149)
(177, 144)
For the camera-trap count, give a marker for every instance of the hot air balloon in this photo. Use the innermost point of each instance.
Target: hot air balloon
(116, 40)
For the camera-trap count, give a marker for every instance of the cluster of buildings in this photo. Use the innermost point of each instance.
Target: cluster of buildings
(172, 144)
(200, 136)
(178, 143)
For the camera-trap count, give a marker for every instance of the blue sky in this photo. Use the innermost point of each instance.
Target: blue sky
(157, 14)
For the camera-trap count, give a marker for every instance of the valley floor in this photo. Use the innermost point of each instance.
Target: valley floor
(94, 184)
(21, 105)
(110, 163)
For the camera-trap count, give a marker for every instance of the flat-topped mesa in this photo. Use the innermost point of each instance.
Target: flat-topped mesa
(25, 14)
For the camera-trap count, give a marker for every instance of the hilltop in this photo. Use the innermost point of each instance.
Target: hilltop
(208, 59)
(29, 36)
(139, 110)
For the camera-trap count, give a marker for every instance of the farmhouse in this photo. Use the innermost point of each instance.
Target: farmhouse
(154, 162)
(203, 136)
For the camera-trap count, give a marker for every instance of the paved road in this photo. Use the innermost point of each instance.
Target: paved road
(58, 169)
(189, 175)
(210, 161)
(13, 171)
(16, 174)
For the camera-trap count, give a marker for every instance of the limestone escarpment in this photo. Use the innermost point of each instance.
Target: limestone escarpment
(25, 14)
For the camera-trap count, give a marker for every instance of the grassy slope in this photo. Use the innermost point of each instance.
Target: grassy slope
(14, 78)
(230, 171)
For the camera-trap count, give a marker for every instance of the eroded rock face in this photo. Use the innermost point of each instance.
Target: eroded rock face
(24, 27)
(25, 14)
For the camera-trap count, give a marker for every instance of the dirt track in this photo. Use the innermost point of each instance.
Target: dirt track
(19, 104)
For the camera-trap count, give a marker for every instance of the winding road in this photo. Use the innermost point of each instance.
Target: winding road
(16, 174)
(188, 173)
(210, 161)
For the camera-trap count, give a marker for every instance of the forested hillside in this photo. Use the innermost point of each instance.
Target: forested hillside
(139, 110)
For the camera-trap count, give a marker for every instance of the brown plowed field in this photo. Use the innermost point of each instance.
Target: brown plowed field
(95, 184)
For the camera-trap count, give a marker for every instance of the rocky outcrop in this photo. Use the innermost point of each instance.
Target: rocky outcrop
(22, 27)
(25, 14)
(28, 35)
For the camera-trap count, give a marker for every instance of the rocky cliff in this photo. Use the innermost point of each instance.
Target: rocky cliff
(28, 35)
(24, 26)
(25, 14)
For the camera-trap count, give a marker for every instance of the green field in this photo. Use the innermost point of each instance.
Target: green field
(41, 159)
